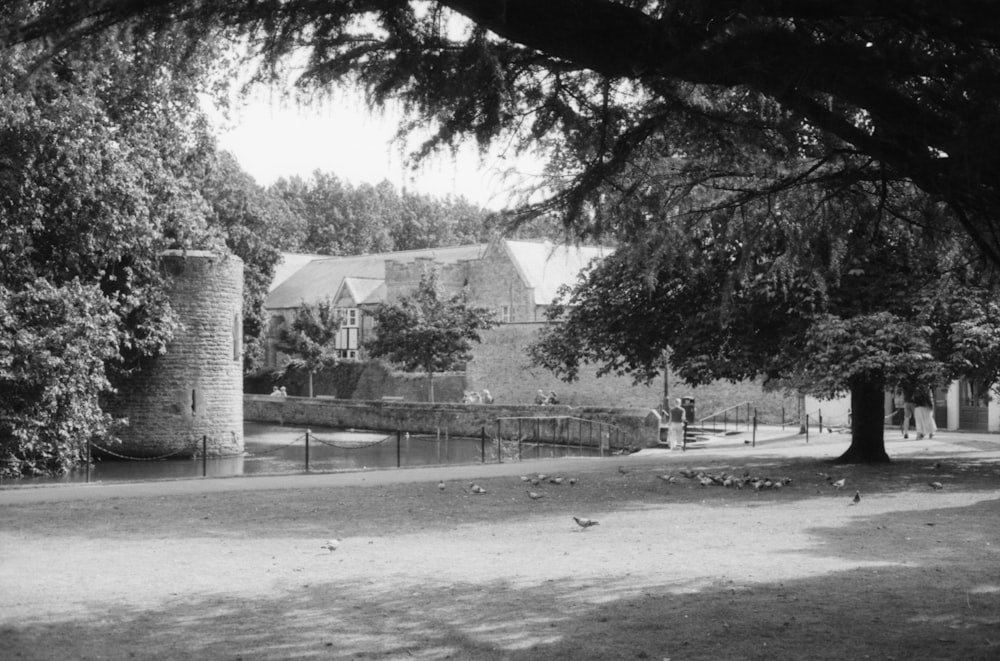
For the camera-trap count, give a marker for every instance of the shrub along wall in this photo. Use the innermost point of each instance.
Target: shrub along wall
(350, 379)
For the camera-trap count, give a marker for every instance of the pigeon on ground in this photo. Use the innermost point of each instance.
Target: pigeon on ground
(556, 480)
(857, 498)
(476, 489)
(935, 485)
(441, 485)
(584, 523)
(534, 495)
(706, 481)
(839, 484)
(623, 470)
(331, 545)
(669, 479)
(572, 481)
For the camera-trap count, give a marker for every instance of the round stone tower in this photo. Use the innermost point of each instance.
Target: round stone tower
(194, 391)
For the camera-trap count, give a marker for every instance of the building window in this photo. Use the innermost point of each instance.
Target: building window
(505, 316)
(348, 317)
(237, 337)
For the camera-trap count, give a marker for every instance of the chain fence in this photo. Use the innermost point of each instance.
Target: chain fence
(331, 452)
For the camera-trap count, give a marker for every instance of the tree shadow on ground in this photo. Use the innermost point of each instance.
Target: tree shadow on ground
(914, 591)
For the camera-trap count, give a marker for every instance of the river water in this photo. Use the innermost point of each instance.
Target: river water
(280, 449)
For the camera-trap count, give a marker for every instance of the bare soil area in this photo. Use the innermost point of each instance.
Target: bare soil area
(675, 570)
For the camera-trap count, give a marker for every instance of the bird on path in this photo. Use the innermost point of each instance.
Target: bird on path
(331, 545)
(935, 485)
(534, 495)
(857, 498)
(441, 485)
(476, 489)
(839, 484)
(584, 523)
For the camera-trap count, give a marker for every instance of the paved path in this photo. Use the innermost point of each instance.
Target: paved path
(769, 443)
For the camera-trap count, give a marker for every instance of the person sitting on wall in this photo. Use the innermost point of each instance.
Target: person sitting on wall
(471, 397)
(276, 392)
(487, 397)
(553, 399)
(540, 398)
(284, 391)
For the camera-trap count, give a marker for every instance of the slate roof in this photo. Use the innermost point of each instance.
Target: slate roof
(545, 266)
(289, 264)
(322, 278)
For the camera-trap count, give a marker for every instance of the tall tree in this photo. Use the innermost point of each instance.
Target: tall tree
(426, 331)
(866, 306)
(94, 151)
(255, 225)
(309, 340)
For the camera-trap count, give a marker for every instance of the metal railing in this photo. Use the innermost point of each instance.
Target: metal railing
(727, 417)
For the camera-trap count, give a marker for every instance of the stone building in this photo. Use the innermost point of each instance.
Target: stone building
(194, 391)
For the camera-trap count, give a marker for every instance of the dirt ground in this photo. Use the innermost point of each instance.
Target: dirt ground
(672, 571)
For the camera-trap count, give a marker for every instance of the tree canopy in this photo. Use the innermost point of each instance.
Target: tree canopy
(871, 303)
(105, 161)
(898, 89)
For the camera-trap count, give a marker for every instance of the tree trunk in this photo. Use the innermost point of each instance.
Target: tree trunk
(310, 383)
(430, 386)
(867, 425)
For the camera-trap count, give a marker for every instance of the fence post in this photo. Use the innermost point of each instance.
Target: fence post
(88, 462)
(204, 455)
(819, 417)
(807, 427)
(754, 435)
(482, 441)
(399, 435)
(499, 450)
(307, 450)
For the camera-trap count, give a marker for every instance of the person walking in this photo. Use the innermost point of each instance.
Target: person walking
(908, 407)
(675, 431)
(923, 412)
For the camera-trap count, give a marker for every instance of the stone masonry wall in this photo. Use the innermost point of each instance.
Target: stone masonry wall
(494, 281)
(633, 427)
(502, 366)
(195, 389)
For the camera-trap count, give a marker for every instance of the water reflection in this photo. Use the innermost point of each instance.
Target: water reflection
(276, 449)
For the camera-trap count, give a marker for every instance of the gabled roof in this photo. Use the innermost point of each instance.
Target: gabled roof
(362, 290)
(545, 266)
(322, 278)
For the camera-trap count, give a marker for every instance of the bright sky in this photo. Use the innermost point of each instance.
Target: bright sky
(273, 139)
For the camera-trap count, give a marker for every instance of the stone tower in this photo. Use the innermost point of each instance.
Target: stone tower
(194, 390)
